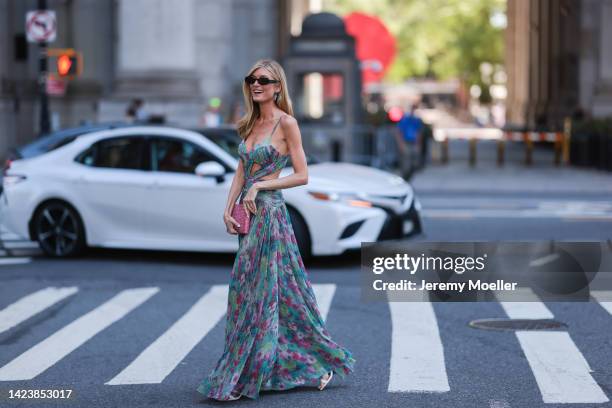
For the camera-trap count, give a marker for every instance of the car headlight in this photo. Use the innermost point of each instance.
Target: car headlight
(417, 204)
(352, 199)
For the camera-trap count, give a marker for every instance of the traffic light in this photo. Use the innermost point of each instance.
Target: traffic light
(66, 63)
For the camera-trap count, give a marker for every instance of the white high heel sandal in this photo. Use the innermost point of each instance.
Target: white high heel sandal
(234, 397)
(325, 382)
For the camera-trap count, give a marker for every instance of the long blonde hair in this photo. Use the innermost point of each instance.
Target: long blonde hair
(252, 113)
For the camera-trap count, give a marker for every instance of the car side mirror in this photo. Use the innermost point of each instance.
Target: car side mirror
(210, 169)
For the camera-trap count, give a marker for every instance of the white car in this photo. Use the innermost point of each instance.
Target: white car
(159, 187)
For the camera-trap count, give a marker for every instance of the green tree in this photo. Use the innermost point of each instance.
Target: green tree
(436, 38)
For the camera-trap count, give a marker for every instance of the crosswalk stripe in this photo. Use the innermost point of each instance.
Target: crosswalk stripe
(32, 304)
(604, 298)
(417, 355)
(55, 347)
(158, 360)
(530, 308)
(560, 370)
(324, 294)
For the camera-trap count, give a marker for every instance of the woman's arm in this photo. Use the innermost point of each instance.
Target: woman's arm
(299, 177)
(237, 184)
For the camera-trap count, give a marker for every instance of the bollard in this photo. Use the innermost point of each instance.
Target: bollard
(500, 152)
(558, 144)
(567, 134)
(528, 148)
(445, 150)
(473, 151)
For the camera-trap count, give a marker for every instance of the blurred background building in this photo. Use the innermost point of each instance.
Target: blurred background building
(545, 60)
(175, 55)
(558, 60)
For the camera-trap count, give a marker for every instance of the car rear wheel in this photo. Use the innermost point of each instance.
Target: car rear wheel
(59, 230)
(301, 234)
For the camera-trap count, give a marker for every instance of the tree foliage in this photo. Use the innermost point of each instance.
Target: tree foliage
(435, 38)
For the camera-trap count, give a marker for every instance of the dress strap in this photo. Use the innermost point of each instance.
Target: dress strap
(274, 129)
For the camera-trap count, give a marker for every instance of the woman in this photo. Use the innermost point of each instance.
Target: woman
(275, 338)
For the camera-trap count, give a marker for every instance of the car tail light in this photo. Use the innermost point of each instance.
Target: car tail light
(7, 165)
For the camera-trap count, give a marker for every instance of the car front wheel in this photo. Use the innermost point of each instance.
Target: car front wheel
(59, 230)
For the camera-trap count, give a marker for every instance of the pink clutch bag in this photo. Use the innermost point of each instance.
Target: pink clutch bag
(243, 216)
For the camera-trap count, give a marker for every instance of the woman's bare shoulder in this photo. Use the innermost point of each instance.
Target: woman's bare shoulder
(288, 121)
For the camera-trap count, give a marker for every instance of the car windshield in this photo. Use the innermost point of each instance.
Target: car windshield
(228, 140)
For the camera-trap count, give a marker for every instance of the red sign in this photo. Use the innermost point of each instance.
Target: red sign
(56, 87)
(375, 45)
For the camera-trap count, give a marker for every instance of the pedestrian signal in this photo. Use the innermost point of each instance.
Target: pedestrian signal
(66, 63)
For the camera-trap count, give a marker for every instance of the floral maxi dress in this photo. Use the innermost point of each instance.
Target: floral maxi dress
(275, 337)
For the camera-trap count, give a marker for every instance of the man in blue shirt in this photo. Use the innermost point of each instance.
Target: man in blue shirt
(408, 134)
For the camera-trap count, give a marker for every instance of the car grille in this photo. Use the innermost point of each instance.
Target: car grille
(393, 227)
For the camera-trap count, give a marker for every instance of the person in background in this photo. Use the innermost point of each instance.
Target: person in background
(408, 133)
(212, 115)
(425, 140)
(135, 111)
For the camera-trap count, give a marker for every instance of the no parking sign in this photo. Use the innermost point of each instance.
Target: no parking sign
(41, 26)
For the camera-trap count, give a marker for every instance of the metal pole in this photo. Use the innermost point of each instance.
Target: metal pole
(528, 148)
(472, 151)
(42, 81)
(567, 133)
(500, 152)
(445, 150)
(558, 145)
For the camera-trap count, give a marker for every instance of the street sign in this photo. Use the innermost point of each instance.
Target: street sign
(55, 86)
(41, 26)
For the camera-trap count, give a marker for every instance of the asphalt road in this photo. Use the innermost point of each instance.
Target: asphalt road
(148, 346)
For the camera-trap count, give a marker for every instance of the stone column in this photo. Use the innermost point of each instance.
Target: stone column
(602, 101)
(156, 49)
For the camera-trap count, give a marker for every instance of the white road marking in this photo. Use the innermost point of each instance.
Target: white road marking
(324, 294)
(55, 347)
(467, 207)
(20, 244)
(162, 356)
(32, 304)
(417, 354)
(560, 370)
(530, 213)
(15, 261)
(604, 298)
(499, 404)
(530, 308)
(544, 260)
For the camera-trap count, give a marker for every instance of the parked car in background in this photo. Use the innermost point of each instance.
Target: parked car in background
(165, 188)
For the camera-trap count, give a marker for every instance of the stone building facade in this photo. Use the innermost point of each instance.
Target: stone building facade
(173, 54)
(558, 61)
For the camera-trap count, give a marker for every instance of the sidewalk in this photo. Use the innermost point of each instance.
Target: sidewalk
(542, 177)
(13, 245)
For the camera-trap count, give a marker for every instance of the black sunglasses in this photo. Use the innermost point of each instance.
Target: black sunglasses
(262, 80)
